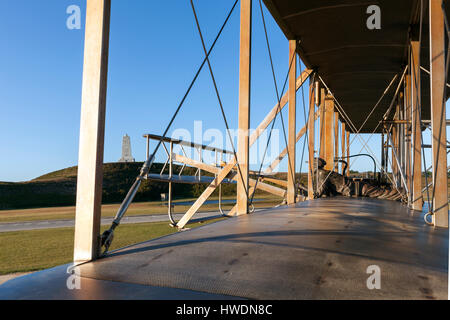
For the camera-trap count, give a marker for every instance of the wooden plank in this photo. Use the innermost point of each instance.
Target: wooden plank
(205, 195)
(336, 138)
(407, 135)
(282, 183)
(233, 175)
(92, 131)
(323, 121)
(244, 106)
(328, 133)
(186, 143)
(394, 149)
(343, 145)
(416, 130)
(438, 128)
(292, 91)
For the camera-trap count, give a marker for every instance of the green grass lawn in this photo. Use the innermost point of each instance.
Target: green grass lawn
(109, 210)
(34, 250)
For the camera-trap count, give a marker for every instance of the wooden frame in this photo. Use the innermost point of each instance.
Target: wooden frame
(92, 131)
(438, 127)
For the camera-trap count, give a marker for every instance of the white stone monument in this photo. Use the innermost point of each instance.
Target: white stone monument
(126, 150)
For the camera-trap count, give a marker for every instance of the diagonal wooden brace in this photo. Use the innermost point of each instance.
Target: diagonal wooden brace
(229, 167)
(283, 153)
(233, 174)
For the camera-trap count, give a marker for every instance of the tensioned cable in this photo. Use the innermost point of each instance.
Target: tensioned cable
(386, 114)
(350, 122)
(195, 78)
(107, 236)
(306, 123)
(443, 102)
(218, 97)
(270, 134)
(275, 79)
(419, 106)
(376, 105)
(373, 109)
(279, 103)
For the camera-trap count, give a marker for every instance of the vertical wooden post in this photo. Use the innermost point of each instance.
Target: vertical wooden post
(343, 144)
(328, 134)
(395, 146)
(416, 201)
(322, 122)
(383, 163)
(336, 138)
(347, 142)
(244, 106)
(311, 135)
(92, 131)
(438, 119)
(290, 197)
(407, 131)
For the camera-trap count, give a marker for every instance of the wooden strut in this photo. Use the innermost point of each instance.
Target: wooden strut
(328, 133)
(92, 132)
(311, 136)
(244, 106)
(437, 82)
(292, 141)
(229, 167)
(277, 161)
(283, 153)
(233, 175)
(416, 200)
(336, 138)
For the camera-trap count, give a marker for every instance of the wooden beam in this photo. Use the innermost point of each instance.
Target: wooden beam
(407, 133)
(232, 175)
(275, 110)
(394, 149)
(438, 128)
(228, 168)
(244, 106)
(206, 194)
(322, 123)
(282, 183)
(311, 120)
(336, 138)
(283, 153)
(328, 133)
(92, 131)
(417, 201)
(343, 150)
(292, 91)
(347, 143)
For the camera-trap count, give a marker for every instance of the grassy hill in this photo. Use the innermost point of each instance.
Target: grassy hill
(58, 188)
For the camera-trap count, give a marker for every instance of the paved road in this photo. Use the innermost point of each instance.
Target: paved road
(50, 224)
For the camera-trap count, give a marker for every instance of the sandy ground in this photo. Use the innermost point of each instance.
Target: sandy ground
(11, 276)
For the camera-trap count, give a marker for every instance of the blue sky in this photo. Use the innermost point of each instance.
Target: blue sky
(154, 53)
